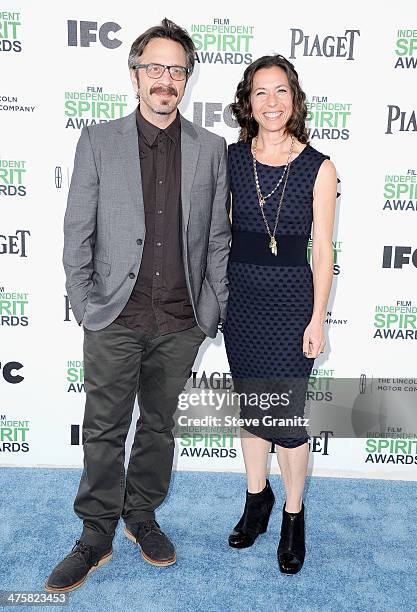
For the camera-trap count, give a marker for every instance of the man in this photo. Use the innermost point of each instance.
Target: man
(145, 254)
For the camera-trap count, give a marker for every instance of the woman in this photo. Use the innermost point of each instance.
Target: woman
(274, 330)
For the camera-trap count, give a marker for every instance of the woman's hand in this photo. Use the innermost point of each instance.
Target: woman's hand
(313, 340)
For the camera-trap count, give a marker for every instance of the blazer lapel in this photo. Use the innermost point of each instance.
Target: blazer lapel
(128, 146)
(190, 147)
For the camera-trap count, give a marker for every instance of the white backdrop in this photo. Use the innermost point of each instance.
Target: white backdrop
(358, 70)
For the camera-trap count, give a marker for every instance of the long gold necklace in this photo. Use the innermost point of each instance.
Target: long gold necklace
(273, 245)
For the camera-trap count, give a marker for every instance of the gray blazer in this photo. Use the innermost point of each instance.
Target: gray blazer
(104, 225)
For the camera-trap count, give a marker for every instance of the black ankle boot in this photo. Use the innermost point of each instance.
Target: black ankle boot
(254, 519)
(291, 548)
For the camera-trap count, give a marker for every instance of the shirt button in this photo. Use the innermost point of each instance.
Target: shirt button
(131, 275)
(159, 244)
(139, 241)
(160, 182)
(159, 212)
(156, 273)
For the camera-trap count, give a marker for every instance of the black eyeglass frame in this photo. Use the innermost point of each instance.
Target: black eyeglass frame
(165, 67)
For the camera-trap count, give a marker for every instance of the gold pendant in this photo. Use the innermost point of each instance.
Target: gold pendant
(273, 246)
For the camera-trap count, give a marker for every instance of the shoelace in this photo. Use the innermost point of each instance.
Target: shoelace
(148, 526)
(83, 550)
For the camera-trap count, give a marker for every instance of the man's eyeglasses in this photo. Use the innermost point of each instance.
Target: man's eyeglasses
(155, 71)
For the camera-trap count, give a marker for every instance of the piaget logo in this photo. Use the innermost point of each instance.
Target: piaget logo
(396, 322)
(331, 45)
(12, 177)
(93, 106)
(406, 49)
(222, 42)
(10, 32)
(327, 119)
(75, 376)
(399, 120)
(392, 450)
(13, 435)
(13, 308)
(400, 191)
(317, 444)
(14, 244)
(337, 249)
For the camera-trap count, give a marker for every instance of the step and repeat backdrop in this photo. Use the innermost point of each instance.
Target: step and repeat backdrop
(64, 66)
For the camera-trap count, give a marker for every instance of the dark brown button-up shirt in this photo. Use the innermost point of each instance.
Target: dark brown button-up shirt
(159, 302)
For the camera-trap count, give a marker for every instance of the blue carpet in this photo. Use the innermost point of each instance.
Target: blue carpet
(360, 536)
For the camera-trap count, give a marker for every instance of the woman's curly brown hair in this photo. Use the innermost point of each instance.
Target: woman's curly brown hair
(241, 108)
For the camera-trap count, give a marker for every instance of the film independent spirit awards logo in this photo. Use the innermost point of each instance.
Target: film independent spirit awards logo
(13, 178)
(14, 435)
(10, 26)
(396, 321)
(396, 442)
(222, 42)
(406, 49)
(13, 308)
(400, 192)
(75, 376)
(92, 106)
(328, 119)
(392, 450)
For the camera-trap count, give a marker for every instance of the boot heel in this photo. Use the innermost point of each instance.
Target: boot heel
(265, 521)
(254, 519)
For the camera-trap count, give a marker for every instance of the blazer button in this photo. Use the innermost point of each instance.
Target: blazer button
(139, 241)
(131, 275)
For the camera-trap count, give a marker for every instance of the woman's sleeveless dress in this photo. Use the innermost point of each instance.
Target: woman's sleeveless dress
(271, 297)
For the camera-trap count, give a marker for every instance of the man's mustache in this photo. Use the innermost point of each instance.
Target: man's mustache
(163, 90)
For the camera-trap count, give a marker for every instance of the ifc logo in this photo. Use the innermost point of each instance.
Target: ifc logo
(82, 33)
(8, 370)
(402, 256)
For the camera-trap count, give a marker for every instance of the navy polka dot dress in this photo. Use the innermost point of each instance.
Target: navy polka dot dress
(271, 297)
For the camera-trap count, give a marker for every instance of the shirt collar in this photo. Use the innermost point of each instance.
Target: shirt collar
(151, 132)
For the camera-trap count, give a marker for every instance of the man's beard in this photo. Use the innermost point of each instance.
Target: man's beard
(164, 107)
(164, 102)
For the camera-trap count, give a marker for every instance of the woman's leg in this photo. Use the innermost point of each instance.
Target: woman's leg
(293, 463)
(255, 453)
(259, 495)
